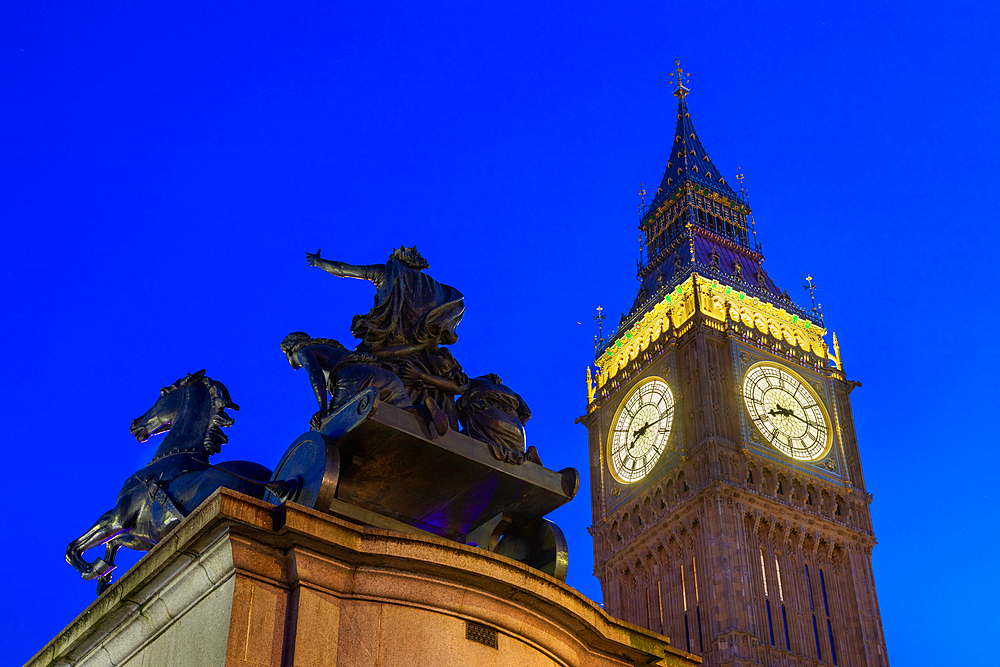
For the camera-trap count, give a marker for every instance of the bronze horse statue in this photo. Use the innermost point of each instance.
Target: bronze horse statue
(153, 501)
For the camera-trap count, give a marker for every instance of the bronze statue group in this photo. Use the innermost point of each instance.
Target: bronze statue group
(401, 356)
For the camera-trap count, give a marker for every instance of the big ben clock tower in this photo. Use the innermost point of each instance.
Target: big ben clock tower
(730, 512)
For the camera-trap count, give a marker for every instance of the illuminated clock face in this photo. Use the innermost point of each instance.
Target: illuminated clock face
(787, 412)
(641, 430)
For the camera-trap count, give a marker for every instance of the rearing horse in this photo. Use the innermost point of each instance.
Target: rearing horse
(179, 478)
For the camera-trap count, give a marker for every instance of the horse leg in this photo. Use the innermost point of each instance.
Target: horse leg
(104, 529)
(110, 551)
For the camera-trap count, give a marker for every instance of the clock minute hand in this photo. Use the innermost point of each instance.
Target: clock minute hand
(792, 414)
(657, 421)
(642, 430)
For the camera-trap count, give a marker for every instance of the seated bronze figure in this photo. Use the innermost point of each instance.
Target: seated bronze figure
(494, 414)
(334, 370)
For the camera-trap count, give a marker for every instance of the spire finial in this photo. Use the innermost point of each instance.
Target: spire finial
(746, 200)
(812, 291)
(600, 319)
(679, 75)
(836, 349)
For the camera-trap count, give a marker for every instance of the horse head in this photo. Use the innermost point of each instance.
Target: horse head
(154, 500)
(193, 398)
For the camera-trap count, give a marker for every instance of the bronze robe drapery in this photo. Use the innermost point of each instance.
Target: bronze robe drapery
(410, 307)
(494, 414)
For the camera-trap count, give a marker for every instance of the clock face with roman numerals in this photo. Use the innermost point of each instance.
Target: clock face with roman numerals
(641, 430)
(787, 412)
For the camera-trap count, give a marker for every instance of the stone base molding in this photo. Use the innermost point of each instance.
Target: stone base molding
(244, 583)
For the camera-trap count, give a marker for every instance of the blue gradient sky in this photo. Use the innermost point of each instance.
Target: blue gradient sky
(164, 169)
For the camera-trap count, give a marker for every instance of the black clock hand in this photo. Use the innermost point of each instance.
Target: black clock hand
(656, 421)
(787, 412)
(642, 430)
(638, 434)
(792, 414)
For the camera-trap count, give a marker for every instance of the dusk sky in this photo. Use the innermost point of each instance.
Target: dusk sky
(165, 167)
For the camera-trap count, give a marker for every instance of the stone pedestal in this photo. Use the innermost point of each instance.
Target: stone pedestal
(245, 583)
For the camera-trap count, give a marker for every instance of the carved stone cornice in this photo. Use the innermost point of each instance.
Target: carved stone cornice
(793, 535)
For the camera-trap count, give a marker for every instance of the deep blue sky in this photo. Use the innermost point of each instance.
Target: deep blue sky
(164, 169)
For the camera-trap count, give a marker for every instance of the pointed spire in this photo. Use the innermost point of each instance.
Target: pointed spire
(688, 159)
(698, 223)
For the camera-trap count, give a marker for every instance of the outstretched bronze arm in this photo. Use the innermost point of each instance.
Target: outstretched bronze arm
(370, 272)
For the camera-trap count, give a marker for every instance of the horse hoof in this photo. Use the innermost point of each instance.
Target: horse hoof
(97, 569)
(102, 585)
(282, 489)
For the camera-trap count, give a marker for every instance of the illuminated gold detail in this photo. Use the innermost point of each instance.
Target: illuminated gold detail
(694, 575)
(777, 569)
(684, 592)
(590, 387)
(767, 318)
(836, 349)
(677, 308)
(763, 574)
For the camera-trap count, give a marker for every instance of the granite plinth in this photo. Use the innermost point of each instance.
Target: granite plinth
(241, 582)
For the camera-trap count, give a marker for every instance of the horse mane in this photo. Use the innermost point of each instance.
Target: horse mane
(214, 437)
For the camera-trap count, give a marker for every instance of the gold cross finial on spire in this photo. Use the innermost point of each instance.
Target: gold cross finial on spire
(681, 90)
(746, 200)
(812, 291)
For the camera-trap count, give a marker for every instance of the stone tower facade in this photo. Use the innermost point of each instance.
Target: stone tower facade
(730, 511)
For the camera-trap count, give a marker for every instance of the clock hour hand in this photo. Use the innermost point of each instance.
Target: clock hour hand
(787, 412)
(638, 434)
(642, 430)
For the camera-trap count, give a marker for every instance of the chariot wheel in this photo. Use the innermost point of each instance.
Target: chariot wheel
(539, 544)
(311, 470)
